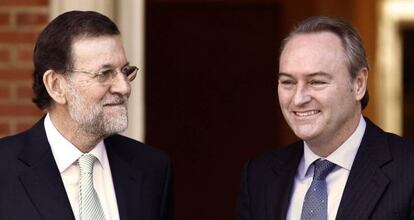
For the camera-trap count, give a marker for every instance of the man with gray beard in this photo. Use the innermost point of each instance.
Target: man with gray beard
(72, 164)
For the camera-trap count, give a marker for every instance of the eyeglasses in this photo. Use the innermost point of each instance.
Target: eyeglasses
(106, 75)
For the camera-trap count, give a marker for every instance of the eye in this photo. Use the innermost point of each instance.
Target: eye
(317, 82)
(129, 72)
(105, 74)
(287, 82)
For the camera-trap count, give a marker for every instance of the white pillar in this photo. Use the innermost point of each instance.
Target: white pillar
(105, 7)
(392, 15)
(130, 17)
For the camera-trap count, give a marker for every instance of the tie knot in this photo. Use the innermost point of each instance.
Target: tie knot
(86, 162)
(322, 169)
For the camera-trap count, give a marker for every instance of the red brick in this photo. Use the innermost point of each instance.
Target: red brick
(4, 55)
(23, 2)
(4, 128)
(25, 55)
(31, 19)
(24, 126)
(15, 74)
(4, 18)
(17, 37)
(25, 92)
(4, 92)
(13, 110)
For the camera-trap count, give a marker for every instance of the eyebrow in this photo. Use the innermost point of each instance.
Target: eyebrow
(104, 66)
(324, 74)
(280, 74)
(320, 73)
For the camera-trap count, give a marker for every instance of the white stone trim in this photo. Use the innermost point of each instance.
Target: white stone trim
(389, 93)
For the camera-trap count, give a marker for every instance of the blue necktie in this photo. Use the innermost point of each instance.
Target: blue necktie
(316, 199)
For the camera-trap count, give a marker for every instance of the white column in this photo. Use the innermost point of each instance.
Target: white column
(393, 14)
(105, 7)
(129, 16)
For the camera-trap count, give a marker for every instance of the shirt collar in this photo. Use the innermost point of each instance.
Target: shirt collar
(64, 152)
(343, 156)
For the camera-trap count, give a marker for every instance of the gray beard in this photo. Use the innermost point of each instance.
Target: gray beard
(91, 119)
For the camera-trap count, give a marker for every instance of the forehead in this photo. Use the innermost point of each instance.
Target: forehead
(312, 52)
(107, 49)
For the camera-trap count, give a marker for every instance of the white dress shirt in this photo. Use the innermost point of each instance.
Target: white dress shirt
(66, 156)
(343, 157)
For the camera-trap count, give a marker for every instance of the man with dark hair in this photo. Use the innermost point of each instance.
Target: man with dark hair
(344, 167)
(72, 164)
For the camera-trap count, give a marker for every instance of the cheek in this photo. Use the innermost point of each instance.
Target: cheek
(95, 94)
(284, 98)
(334, 102)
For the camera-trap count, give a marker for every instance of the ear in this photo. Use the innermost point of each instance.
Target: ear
(360, 83)
(54, 83)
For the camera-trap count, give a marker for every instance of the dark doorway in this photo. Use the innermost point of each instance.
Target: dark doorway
(210, 97)
(408, 82)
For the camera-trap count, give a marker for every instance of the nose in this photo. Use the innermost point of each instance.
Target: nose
(120, 85)
(301, 95)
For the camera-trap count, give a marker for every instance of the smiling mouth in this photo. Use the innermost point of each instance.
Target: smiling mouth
(306, 113)
(115, 101)
(115, 104)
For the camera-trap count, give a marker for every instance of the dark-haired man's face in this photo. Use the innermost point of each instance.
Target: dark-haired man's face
(98, 107)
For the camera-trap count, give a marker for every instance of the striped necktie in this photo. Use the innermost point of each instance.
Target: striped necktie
(90, 207)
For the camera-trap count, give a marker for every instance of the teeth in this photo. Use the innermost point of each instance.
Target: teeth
(308, 113)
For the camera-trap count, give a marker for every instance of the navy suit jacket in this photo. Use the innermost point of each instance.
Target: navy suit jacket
(380, 184)
(31, 186)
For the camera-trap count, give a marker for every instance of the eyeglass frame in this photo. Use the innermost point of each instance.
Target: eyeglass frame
(101, 73)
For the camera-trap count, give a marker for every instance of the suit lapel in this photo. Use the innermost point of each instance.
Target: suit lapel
(366, 182)
(284, 168)
(41, 178)
(127, 182)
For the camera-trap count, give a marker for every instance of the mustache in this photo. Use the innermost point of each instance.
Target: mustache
(115, 100)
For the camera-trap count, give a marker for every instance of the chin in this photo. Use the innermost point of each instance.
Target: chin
(305, 135)
(115, 112)
(306, 138)
(114, 125)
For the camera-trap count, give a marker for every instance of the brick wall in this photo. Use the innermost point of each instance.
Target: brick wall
(20, 23)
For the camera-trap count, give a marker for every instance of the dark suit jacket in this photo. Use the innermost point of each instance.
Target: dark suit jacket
(31, 186)
(380, 184)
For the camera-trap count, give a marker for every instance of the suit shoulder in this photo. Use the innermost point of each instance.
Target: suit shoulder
(400, 146)
(280, 155)
(134, 149)
(396, 143)
(12, 144)
(396, 139)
